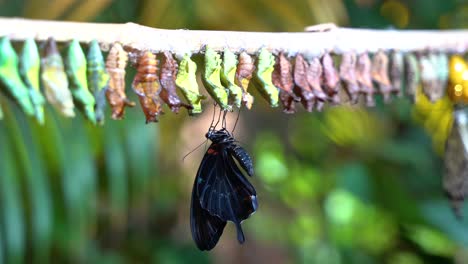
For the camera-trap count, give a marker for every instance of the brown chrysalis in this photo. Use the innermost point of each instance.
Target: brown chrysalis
(314, 79)
(167, 78)
(302, 88)
(363, 75)
(244, 73)
(348, 75)
(115, 93)
(283, 79)
(331, 80)
(397, 69)
(379, 74)
(146, 86)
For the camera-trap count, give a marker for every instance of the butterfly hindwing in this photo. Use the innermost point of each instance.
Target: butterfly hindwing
(206, 228)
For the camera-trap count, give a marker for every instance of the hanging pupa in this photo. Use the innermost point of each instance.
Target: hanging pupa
(228, 74)
(186, 80)
(244, 72)
(211, 78)
(455, 178)
(115, 64)
(379, 74)
(265, 67)
(13, 86)
(302, 88)
(75, 65)
(397, 69)
(30, 64)
(363, 75)
(98, 79)
(54, 80)
(167, 79)
(413, 76)
(348, 75)
(331, 80)
(146, 86)
(283, 79)
(314, 74)
(428, 77)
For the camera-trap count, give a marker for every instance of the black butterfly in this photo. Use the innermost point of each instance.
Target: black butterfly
(221, 192)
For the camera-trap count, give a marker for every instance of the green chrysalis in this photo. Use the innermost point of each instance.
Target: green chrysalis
(265, 67)
(228, 75)
(13, 86)
(30, 65)
(212, 78)
(54, 80)
(98, 79)
(75, 63)
(187, 82)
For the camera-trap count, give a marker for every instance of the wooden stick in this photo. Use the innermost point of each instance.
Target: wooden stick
(136, 38)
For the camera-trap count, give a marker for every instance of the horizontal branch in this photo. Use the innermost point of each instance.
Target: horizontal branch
(135, 37)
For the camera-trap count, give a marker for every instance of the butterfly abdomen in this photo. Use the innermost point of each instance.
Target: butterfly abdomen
(243, 158)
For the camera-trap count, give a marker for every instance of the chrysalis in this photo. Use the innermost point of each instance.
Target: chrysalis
(455, 179)
(76, 71)
(314, 75)
(212, 78)
(363, 75)
(98, 79)
(380, 74)
(331, 80)
(115, 93)
(244, 73)
(265, 67)
(30, 64)
(55, 80)
(228, 74)
(167, 78)
(187, 82)
(282, 78)
(413, 76)
(397, 70)
(146, 86)
(428, 77)
(13, 86)
(438, 88)
(302, 87)
(348, 75)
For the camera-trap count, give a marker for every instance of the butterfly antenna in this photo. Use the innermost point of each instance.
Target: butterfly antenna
(183, 158)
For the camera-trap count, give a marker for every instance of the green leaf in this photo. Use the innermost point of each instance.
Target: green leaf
(76, 71)
(12, 207)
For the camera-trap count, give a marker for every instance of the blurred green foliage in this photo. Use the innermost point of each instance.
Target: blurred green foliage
(347, 185)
